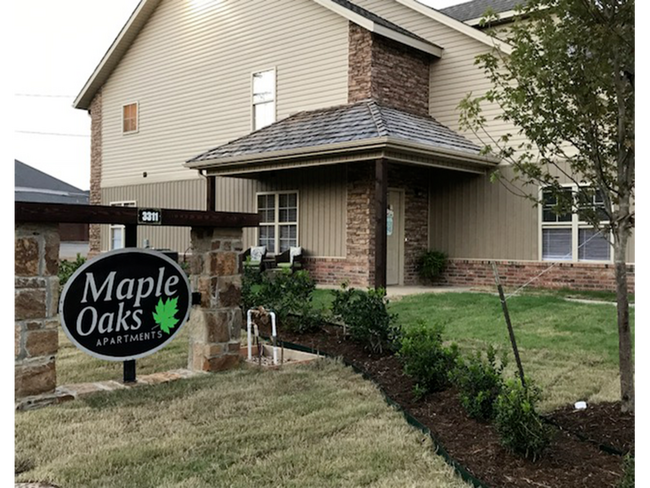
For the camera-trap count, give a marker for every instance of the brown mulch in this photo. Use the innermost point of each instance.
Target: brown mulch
(569, 461)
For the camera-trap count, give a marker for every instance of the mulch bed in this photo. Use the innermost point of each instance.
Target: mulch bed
(569, 462)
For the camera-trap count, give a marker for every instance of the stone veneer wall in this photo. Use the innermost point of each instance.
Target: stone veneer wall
(95, 168)
(36, 305)
(216, 323)
(386, 70)
(575, 276)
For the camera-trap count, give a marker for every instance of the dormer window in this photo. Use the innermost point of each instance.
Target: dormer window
(263, 98)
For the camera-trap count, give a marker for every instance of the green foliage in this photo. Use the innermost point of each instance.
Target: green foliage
(480, 382)
(426, 359)
(366, 317)
(164, 314)
(431, 264)
(628, 472)
(520, 428)
(67, 269)
(285, 293)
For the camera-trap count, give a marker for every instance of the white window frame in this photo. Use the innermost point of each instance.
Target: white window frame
(277, 224)
(113, 227)
(275, 96)
(575, 224)
(137, 118)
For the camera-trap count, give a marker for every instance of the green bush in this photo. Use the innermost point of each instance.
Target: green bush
(366, 317)
(67, 269)
(431, 264)
(520, 428)
(285, 293)
(627, 481)
(480, 382)
(426, 359)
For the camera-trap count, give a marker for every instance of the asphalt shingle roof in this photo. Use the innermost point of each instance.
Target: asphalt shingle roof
(377, 19)
(476, 8)
(32, 185)
(346, 123)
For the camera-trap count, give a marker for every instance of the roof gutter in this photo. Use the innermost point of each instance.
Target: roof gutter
(347, 148)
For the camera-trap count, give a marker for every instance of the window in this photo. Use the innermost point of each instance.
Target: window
(117, 231)
(278, 213)
(263, 98)
(566, 235)
(130, 118)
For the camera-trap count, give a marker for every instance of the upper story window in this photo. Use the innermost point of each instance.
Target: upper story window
(278, 229)
(263, 98)
(130, 118)
(566, 235)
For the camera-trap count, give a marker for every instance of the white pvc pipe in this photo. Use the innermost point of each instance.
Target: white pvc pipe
(248, 330)
(274, 332)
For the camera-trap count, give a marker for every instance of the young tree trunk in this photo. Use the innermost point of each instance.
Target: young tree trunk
(626, 364)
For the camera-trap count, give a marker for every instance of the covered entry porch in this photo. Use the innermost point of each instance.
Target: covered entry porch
(360, 176)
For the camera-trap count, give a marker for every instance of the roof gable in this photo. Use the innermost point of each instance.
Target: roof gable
(145, 9)
(457, 25)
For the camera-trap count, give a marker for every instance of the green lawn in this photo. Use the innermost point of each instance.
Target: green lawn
(75, 366)
(569, 349)
(318, 425)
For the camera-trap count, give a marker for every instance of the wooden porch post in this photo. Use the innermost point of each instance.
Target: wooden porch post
(381, 238)
(211, 196)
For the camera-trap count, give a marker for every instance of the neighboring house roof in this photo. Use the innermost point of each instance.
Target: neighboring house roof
(33, 185)
(346, 127)
(476, 8)
(145, 8)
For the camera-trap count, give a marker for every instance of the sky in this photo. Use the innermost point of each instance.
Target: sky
(57, 51)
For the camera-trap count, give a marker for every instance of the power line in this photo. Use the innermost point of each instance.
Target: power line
(51, 133)
(41, 95)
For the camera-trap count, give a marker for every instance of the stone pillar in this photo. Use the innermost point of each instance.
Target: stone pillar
(215, 324)
(36, 305)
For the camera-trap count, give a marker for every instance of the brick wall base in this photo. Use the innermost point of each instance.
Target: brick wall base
(478, 273)
(575, 276)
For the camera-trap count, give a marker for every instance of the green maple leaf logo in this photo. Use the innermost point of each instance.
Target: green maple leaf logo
(164, 314)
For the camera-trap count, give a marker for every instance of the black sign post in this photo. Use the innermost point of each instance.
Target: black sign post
(125, 304)
(130, 240)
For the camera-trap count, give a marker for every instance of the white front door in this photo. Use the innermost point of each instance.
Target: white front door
(395, 231)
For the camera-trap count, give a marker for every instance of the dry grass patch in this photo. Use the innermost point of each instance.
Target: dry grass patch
(317, 425)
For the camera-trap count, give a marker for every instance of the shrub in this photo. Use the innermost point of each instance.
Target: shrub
(426, 359)
(627, 481)
(480, 382)
(431, 264)
(366, 317)
(519, 426)
(67, 269)
(285, 293)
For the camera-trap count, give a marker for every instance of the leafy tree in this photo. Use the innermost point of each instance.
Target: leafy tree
(567, 86)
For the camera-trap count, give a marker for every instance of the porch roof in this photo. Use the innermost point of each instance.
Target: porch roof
(362, 130)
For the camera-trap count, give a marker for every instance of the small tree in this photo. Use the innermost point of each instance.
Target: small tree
(568, 87)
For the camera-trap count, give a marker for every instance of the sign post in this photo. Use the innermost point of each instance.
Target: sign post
(125, 304)
(130, 240)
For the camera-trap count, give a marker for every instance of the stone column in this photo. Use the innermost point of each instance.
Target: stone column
(36, 306)
(215, 324)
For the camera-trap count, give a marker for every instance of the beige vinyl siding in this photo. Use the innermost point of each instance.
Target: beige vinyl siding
(472, 218)
(322, 196)
(454, 75)
(190, 70)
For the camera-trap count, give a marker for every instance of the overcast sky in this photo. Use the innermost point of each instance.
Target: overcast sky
(60, 42)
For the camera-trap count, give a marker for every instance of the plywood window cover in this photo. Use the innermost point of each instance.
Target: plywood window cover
(132, 119)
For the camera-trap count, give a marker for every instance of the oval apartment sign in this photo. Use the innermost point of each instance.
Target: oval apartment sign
(125, 304)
